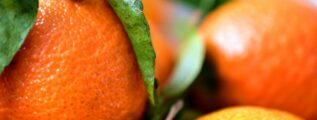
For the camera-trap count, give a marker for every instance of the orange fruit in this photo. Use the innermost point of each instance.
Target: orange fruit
(249, 113)
(77, 63)
(266, 54)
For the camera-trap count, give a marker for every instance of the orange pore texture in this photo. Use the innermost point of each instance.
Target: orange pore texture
(77, 63)
(266, 54)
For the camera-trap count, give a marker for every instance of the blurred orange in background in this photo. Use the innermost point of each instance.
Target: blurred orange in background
(265, 52)
(77, 62)
(249, 113)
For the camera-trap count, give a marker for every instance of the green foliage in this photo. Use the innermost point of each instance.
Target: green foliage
(188, 66)
(131, 15)
(17, 17)
(205, 6)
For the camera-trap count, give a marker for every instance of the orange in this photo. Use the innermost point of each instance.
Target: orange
(266, 54)
(249, 113)
(77, 63)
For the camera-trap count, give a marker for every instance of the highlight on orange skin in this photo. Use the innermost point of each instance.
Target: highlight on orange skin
(265, 55)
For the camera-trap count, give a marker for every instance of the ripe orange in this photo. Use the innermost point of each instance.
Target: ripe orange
(266, 54)
(77, 63)
(249, 113)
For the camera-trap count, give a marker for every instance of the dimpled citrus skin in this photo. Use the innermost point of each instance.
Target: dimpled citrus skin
(266, 54)
(77, 63)
(249, 113)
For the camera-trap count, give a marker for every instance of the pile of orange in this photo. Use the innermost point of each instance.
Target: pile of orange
(77, 62)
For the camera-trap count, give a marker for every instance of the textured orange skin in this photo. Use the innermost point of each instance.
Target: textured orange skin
(249, 113)
(165, 56)
(77, 63)
(266, 54)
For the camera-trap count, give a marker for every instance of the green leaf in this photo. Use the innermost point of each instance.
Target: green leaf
(188, 66)
(205, 6)
(131, 15)
(17, 17)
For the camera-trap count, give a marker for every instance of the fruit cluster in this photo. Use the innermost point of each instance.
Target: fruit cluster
(78, 61)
